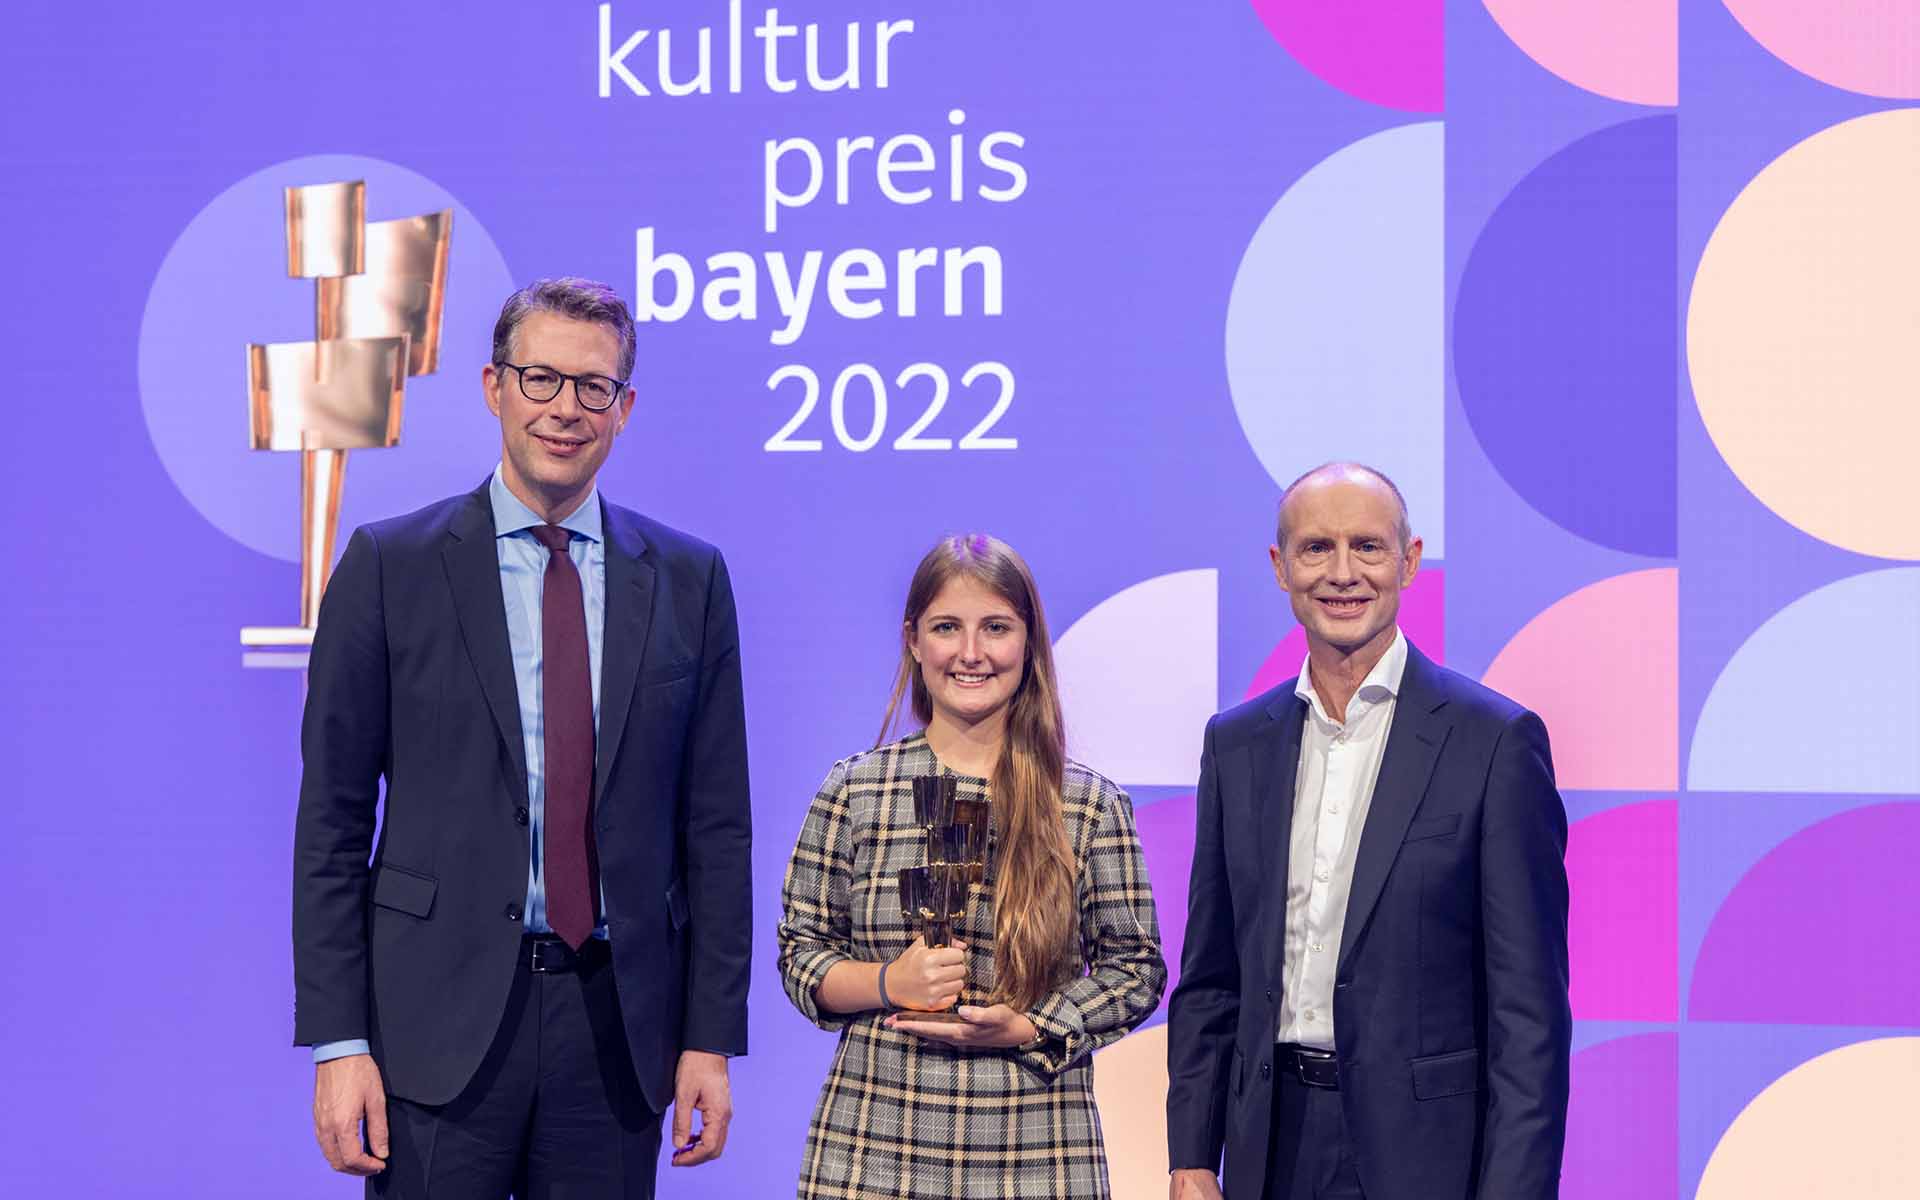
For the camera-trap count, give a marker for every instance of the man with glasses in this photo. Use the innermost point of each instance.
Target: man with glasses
(552, 940)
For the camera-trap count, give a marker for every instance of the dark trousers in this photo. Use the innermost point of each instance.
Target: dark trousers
(553, 1113)
(1309, 1156)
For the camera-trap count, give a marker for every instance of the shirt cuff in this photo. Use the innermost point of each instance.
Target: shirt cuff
(1062, 1036)
(805, 972)
(328, 1051)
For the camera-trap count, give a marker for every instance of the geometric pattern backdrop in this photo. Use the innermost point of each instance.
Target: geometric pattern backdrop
(1684, 368)
(1622, 294)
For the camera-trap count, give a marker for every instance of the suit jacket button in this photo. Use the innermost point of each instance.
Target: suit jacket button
(520, 815)
(1269, 995)
(1266, 1070)
(513, 912)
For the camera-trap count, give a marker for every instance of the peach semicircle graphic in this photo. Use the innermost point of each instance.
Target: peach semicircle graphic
(1130, 1090)
(1601, 668)
(1841, 1124)
(1820, 931)
(1803, 338)
(1623, 869)
(1624, 49)
(1752, 736)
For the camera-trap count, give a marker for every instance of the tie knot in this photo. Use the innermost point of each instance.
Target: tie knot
(553, 537)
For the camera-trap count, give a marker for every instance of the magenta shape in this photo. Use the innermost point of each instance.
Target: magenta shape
(1422, 619)
(1623, 1121)
(1166, 837)
(1388, 52)
(1820, 931)
(1623, 868)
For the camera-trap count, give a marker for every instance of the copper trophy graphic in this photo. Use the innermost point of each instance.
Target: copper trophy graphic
(379, 291)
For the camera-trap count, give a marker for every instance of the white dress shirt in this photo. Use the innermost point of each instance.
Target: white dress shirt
(1339, 762)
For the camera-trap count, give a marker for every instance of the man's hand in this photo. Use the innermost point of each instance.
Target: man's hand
(1193, 1183)
(700, 1082)
(993, 1027)
(347, 1091)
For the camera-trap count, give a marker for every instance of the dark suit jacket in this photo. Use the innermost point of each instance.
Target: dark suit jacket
(1450, 1005)
(411, 679)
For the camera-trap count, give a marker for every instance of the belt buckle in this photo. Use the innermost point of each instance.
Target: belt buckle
(548, 958)
(1316, 1068)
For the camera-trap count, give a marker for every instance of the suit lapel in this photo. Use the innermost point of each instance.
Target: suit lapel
(473, 573)
(629, 616)
(1275, 769)
(1413, 746)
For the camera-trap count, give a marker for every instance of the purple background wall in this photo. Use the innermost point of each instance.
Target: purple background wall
(1537, 269)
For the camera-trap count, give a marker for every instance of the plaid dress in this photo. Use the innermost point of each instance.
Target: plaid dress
(905, 1118)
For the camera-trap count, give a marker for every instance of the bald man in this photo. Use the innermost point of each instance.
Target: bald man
(1373, 993)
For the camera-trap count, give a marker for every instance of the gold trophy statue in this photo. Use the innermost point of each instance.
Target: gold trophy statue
(379, 293)
(936, 896)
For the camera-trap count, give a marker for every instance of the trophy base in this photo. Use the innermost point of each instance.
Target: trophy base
(945, 1017)
(275, 635)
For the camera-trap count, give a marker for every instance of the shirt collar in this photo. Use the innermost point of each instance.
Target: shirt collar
(1381, 682)
(511, 515)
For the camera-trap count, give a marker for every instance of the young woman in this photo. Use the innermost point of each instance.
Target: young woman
(1058, 954)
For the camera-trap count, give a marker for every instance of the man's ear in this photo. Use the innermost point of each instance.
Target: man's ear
(1279, 559)
(489, 387)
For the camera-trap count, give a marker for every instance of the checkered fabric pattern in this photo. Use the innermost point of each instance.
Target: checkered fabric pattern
(902, 1117)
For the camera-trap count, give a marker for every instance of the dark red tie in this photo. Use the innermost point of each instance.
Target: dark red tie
(566, 703)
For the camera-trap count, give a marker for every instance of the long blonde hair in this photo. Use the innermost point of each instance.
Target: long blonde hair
(1035, 921)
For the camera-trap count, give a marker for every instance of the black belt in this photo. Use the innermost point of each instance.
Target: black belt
(1315, 1068)
(548, 954)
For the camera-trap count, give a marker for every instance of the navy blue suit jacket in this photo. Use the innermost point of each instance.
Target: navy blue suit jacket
(411, 680)
(1450, 1005)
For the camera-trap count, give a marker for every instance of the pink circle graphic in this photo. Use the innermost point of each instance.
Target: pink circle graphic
(1623, 1120)
(1623, 868)
(1870, 46)
(1601, 668)
(1422, 620)
(1820, 931)
(1624, 49)
(1386, 52)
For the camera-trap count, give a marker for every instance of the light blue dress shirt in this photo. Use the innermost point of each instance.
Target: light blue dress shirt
(523, 566)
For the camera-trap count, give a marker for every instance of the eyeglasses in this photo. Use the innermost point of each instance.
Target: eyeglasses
(540, 384)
